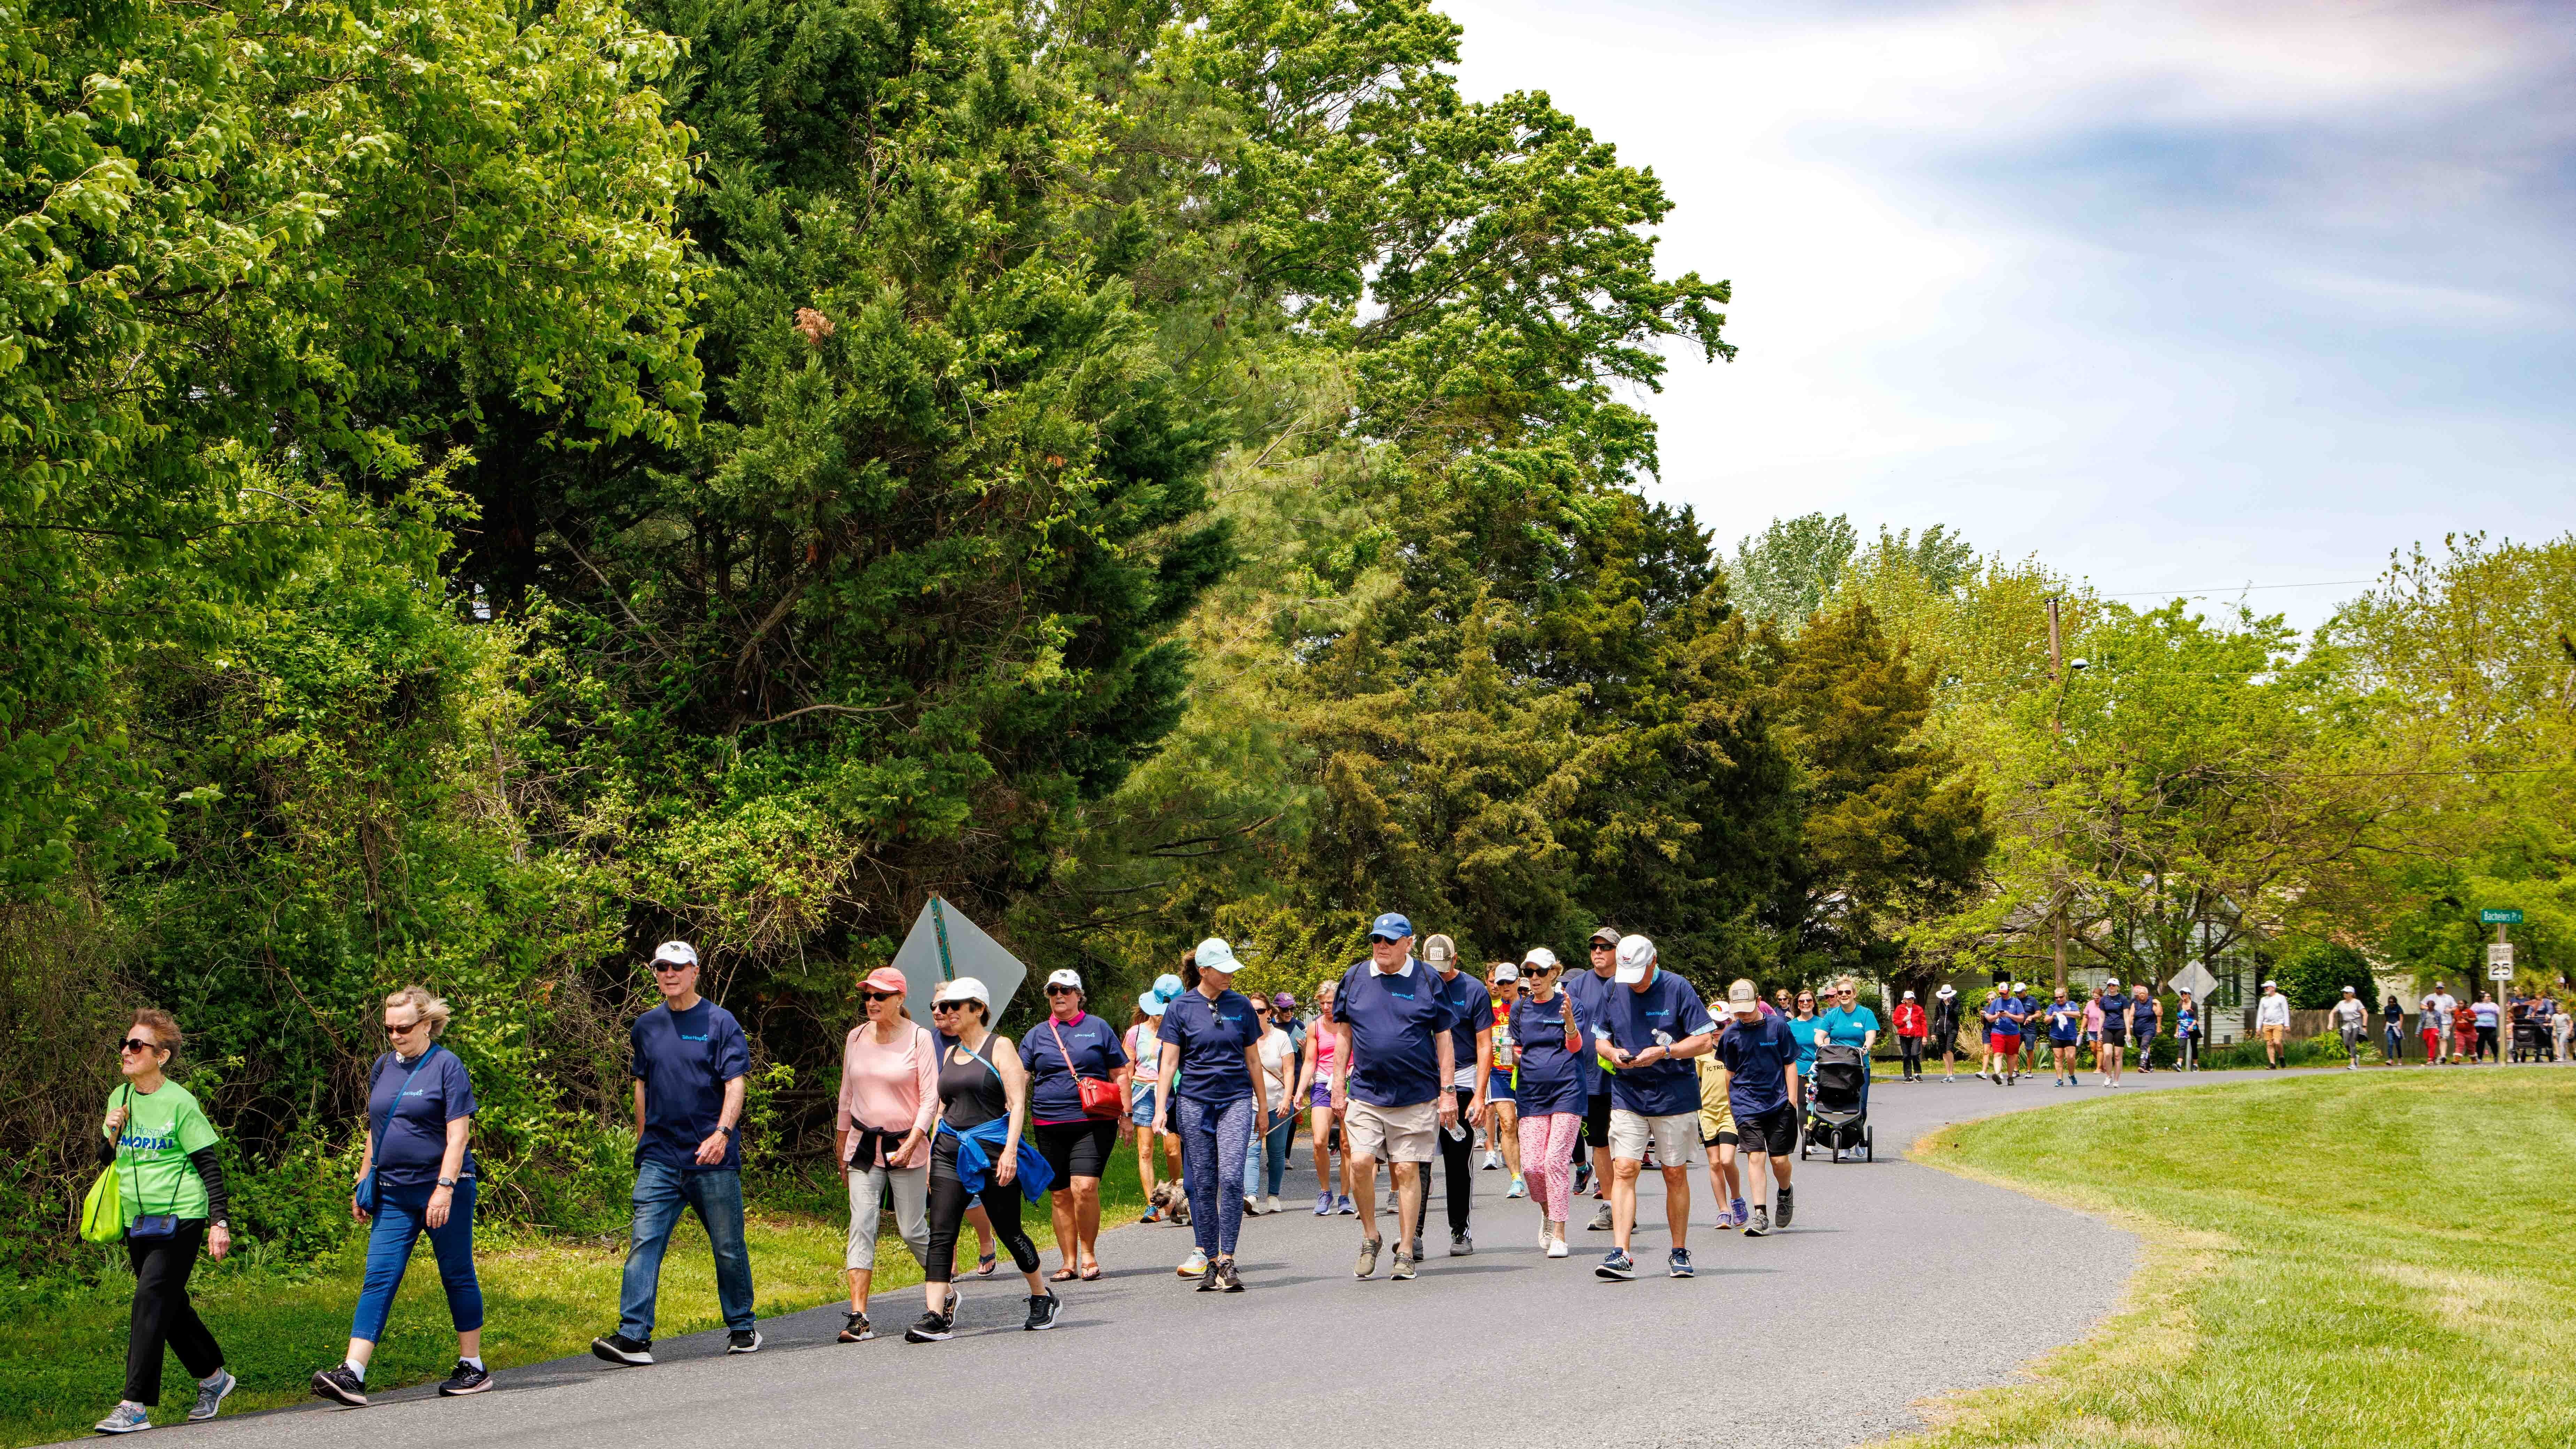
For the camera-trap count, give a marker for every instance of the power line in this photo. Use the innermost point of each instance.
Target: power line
(2234, 588)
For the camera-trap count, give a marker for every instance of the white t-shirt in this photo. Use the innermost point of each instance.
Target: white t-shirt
(2442, 1004)
(1278, 1059)
(2273, 1010)
(2350, 1012)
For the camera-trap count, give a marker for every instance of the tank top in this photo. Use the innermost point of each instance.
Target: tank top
(970, 1092)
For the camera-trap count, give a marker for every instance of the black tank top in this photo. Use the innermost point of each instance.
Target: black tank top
(970, 1092)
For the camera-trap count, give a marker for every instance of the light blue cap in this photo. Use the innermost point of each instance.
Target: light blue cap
(1167, 986)
(1148, 1003)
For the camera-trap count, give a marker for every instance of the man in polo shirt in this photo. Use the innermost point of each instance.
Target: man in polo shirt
(1650, 1028)
(1761, 1057)
(1589, 991)
(1392, 1062)
(1471, 1046)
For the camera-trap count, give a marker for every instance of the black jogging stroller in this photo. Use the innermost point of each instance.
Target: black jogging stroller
(1837, 1117)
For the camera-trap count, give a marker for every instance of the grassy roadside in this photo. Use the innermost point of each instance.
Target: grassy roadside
(62, 1346)
(2350, 1260)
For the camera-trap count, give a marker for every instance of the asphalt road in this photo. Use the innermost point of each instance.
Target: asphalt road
(1825, 1334)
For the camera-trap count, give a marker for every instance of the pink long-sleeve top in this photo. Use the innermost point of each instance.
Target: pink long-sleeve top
(890, 1087)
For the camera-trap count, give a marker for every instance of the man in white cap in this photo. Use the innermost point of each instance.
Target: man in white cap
(2437, 1006)
(1649, 1030)
(2272, 1023)
(1761, 1057)
(1393, 1095)
(688, 1057)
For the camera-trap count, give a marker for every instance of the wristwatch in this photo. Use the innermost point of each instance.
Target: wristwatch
(447, 1182)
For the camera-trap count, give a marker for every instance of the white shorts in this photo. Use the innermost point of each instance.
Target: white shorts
(1676, 1138)
(1391, 1134)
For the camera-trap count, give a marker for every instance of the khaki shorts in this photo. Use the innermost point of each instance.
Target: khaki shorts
(1676, 1138)
(1392, 1134)
(2273, 1034)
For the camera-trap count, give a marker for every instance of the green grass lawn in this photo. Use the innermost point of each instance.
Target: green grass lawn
(62, 1346)
(2377, 1260)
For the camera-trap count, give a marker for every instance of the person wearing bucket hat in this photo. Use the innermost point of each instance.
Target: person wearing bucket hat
(1393, 1060)
(689, 1058)
(1945, 1029)
(1144, 1089)
(1210, 1041)
(1912, 1030)
(1591, 992)
(1471, 1045)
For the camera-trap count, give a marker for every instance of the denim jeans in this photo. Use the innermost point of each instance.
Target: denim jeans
(661, 1193)
(402, 1215)
(1274, 1151)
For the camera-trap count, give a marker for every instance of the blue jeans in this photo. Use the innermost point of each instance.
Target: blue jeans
(402, 1215)
(1274, 1151)
(1213, 1144)
(660, 1194)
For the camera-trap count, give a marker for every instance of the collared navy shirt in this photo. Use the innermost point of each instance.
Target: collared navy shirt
(1395, 1021)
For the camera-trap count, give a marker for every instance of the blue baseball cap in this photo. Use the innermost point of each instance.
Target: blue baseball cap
(1167, 986)
(1392, 926)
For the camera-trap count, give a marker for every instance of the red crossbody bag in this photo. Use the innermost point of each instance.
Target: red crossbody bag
(1099, 1094)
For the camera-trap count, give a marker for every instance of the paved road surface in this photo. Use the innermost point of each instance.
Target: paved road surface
(1808, 1337)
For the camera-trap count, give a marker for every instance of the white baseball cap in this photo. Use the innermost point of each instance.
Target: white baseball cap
(1506, 971)
(678, 951)
(2110, 983)
(2347, 991)
(1065, 977)
(964, 988)
(1214, 954)
(2271, 985)
(1540, 959)
(1636, 960)
(1909, 996)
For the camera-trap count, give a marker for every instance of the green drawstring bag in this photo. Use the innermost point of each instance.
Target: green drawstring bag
(103, 1211)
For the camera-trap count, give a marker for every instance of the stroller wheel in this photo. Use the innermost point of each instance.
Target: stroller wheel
(1869, 1144)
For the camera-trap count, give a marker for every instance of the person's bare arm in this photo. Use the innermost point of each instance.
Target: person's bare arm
(1484, 1072)
(1341, 1065)
(1445, 1051)
(639, 1106)
(712, 1150)
(1015, 1087)
(1260, 1090)
(1163, 1099)
(450, 1165)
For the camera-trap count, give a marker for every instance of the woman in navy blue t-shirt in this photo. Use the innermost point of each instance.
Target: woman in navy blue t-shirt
(1062, 1052)
(1211, 1037)
(1547, 1037)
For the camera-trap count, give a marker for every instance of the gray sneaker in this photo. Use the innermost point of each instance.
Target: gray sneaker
(125, 1419)
(210, 1396)
(1601, 1220)
(1461, 1244)
(1403, 1267)
(1368, 1258)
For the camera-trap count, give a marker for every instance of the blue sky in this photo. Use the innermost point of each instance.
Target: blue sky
(2173, 295)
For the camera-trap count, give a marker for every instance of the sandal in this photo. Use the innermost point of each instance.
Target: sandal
(984, 1264)
(1062, 1275)
(1091, 1273)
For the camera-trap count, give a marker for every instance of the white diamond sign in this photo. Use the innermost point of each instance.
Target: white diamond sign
(942, 946)
(2194, 978)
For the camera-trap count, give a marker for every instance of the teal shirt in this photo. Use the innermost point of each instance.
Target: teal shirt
(1848, 1027)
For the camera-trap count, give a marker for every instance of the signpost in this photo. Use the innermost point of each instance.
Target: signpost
(942, 946)
(2194, 978)
(2499, 916)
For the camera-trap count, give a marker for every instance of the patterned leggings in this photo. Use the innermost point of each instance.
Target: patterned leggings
(1547, 1159)
(1213, 1143)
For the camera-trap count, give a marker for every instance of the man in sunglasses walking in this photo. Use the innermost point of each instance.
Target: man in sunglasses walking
(689, 1058)
(1395, 1101)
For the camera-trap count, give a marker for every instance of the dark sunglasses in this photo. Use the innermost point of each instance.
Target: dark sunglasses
(1384, 940)
(138, 1044)
(672, 968)
(1061, 990)
(940, 1006)
(1603, 946)
(880, 996)
(393, 1030)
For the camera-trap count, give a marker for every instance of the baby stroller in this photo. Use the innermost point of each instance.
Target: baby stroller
(1836, 1120)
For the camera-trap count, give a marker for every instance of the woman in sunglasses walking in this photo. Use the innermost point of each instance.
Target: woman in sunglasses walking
(975, 1157)
(881, 1133)
(172, 1187)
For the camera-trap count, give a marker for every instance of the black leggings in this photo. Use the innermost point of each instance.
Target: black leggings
(2486, 1044)
(1454, 1155)
(948, 1202)
(1910, 1048)
(163, 1314)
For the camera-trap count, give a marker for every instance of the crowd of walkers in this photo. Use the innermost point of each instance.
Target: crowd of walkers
(1577, 1080)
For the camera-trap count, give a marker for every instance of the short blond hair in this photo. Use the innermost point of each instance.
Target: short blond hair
(1851, 981)
(432, 1009)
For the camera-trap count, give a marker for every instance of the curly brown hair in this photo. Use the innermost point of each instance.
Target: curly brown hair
(163, 1026)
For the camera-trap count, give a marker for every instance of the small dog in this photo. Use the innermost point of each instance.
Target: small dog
(1173, 1203)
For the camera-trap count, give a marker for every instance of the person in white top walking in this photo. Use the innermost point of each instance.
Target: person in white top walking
(2353, 1020)
(2437, 1009)
(2272, 1023)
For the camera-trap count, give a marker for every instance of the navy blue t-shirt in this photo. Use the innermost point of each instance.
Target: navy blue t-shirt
(1756, 1056)
(1053, 1097)
(409, 1111)
(1394, 1020)
(1551, 1078)
(2002, 1023)
(1662, 1088)
(684, 1059)
(2142, 1019)
(1212, 1036)
(1589, 990)
(2065, 1022)
(1474, 1005)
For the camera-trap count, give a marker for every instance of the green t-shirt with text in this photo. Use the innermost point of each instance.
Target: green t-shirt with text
(154, 1174)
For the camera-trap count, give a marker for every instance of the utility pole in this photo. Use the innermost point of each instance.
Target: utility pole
(2056, 728)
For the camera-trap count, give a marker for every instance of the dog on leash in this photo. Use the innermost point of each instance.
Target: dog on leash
(1173, 1203)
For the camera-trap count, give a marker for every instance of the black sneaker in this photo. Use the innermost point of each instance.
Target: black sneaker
(340, 1386)
(930, 1328)
(618, 1348)
(858, 1329)
(743, 1340)
(1229, 1280)
(1043, 1311)
(1207, 1278)
(1788, 1207)
(466, 1380)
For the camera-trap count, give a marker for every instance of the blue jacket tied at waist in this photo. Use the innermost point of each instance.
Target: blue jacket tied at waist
(976, 1149)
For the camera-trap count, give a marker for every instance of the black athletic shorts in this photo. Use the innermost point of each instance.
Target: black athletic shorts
(1723, 1139)
(2114, 1036)
(1077, 1149)
(1596, 1121)
(1773, 1133)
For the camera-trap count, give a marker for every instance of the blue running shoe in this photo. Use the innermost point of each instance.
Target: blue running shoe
(1737, 1215)
(1323, 1204)
(1618, 1266)
(1679, 1264)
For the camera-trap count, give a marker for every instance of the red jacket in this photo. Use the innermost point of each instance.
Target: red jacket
(1909, 1020)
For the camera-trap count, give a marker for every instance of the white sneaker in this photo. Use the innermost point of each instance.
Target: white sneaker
(1556, 1247)
(1491, 1162)
(1251, 1205)
(1193, 1265)
(1272, 1203)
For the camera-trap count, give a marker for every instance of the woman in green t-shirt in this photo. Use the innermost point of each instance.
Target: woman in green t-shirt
(172, 1187)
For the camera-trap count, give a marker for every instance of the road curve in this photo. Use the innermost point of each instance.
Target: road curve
(1826, 1334)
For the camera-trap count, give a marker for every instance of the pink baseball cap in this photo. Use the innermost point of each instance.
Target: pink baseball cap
(884, 978)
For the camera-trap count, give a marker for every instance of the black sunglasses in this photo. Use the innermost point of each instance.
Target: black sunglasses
(880, 996)
(1061, 990)
(393, 1030)
(938, 1006)
(1384, 940)
(138, 1044)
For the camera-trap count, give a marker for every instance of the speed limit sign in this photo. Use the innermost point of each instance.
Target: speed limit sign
(2500, 961)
